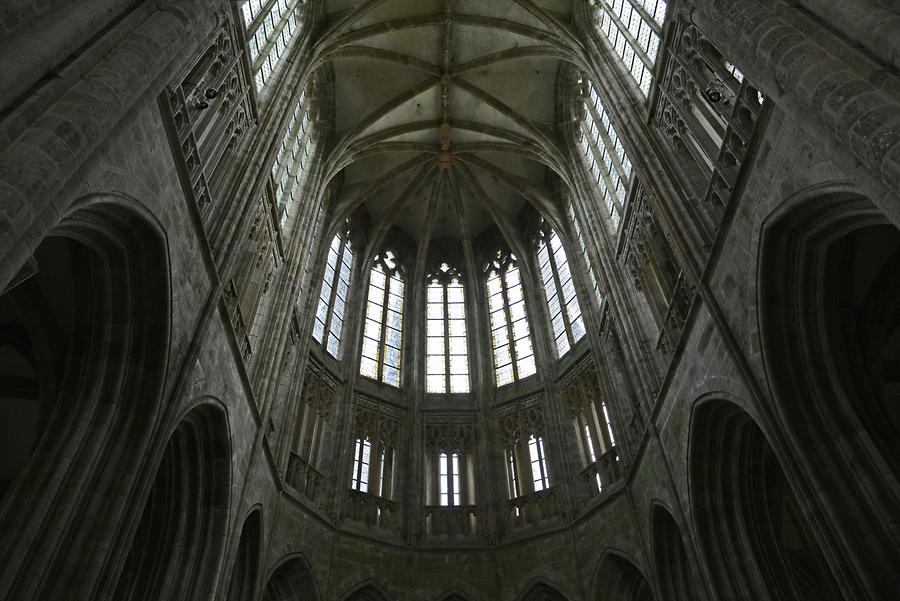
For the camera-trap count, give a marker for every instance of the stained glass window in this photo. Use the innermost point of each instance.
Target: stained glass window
(633, 29)
(559, 289)
(383, 326)
(605, 158)
(271, 27)
(447, 350)
(510, 336)
(329, 323)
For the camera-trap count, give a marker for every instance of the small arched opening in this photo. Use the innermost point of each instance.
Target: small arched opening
(176, 549)
(757, 543)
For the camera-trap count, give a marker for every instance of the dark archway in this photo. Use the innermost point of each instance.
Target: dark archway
(84, 332)
(177, 547)
(619, 580)
(245, 571)
(757, 543)
(671, 559)
(291, 581)
(830, 323)
(368, 593)
(542, 592)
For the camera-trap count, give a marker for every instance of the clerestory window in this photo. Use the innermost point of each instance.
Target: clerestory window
(511, 338)
(329, 324)
(559, 289)
(633, 30)
(294, 160)
(383, 330)
(605, 157)
(271, 26)
(447, 350)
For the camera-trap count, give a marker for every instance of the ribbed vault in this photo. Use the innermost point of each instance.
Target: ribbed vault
(445, 110)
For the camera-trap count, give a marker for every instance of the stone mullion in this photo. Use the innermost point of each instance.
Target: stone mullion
(514, 356)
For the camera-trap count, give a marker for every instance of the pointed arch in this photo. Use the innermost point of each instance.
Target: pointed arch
(245, 568)
(829, 311)
(671, 558)
(756, 540)
(291, 580)
(619, 579)
(177, 546)
(541, 589)
(105, 266)
(368, 591)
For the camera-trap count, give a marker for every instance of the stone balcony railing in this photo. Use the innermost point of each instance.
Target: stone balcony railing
(533, 508)
(370, 509)
(304, 478)
(676, 315)
(455, 521)
(600, 475)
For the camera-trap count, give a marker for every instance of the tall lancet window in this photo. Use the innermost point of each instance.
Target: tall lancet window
(447, 361)
(511, 338)
(294, 159)
(332, 299)
(383, 331)
(272, 26)
(559, 288)
(604, 156)
(633, 29)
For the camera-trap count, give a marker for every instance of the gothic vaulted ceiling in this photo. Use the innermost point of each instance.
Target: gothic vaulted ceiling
(445, 110)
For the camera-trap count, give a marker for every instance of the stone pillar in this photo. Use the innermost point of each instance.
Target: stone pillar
(35, 168)
(39, 47)
(814, 76)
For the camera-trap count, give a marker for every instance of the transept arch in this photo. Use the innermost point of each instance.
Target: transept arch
(670, 557)
(177, 546)
(91, 305)
(542, 590)
(245, 568)
(291, 580)
(757, 542)
(368, 592)
(619, 579)
(829, 298)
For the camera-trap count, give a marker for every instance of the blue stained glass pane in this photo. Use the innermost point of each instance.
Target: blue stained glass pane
(391, 375)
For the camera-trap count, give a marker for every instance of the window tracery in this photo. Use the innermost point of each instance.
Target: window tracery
(372, 471)
(271, 27)
(447, 351)
(604, 155)
(316, 399)
(383, 330)
(329, 323)
(559, 290)
(522, 433)
(633, 30)
(511, 339)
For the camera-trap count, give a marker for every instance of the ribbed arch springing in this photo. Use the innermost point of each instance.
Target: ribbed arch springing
(383, 330)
